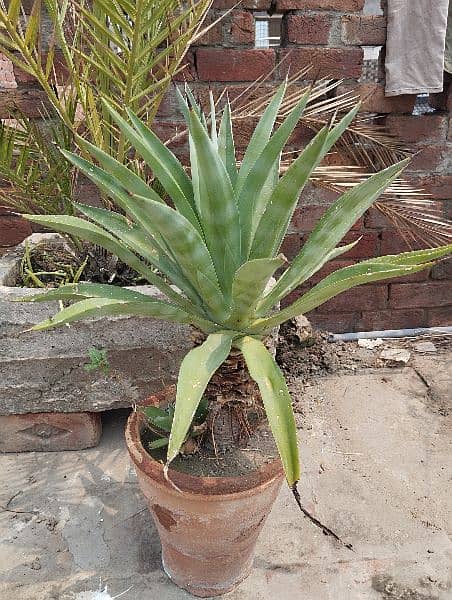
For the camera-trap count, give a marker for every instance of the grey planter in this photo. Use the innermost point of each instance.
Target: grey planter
(43, 372)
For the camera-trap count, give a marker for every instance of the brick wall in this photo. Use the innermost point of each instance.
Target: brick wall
(330, 34)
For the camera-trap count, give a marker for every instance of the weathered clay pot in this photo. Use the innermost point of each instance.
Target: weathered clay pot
(209, 528)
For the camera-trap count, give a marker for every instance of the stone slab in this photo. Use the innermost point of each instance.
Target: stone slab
(376, 467)
(45, 371)
(47, 432)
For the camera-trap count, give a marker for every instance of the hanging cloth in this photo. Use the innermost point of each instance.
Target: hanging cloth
(415, 46)
(448, 53)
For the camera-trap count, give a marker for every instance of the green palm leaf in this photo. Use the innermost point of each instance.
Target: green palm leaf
(338, 282)
(189, 251)
(282, 202)
(253, 198)
(330, 229)
(80, 291)
(260, 136)
(277, 403)
(248, 286)
(140, 242)
(226, 148)
(218, 210)
(82, 229)
(101, 307)
(195, 373)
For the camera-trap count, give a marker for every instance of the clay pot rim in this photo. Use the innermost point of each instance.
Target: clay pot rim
(208, 487)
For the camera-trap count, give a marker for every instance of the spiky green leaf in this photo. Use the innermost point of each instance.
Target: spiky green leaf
(338, 282)
(328, 232)
(248, 286)
(218, 209)
(277, 403)
(101, 307)
(195, 373)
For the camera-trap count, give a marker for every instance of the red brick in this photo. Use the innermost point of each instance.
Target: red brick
(301, 136)
(7, 79)
(412, 278)
(188, 69)
(443, 100)
(392, 242)
(214, 35)
(437, 186)
(30, 102)
(243, 130)
(60, 71)
(367, 247)
(13, 230)
(364, 30)
(420, 295)
(291, 246)
(314, 194)
(309, 29)
(430, 158)
(365, 297)
(439, 317)
(242, 28)
(85, 192)
(306, 217)
(448, 209)
(169, 106)
(422, 128)
(167, 130)
(335, 323)
(334, 63)
(374, 219)
(339, 5)
(391, 319)
(26, 5)
(224, 64)
(442, 270)
(255, 4)
(49, 432)
(373, 98)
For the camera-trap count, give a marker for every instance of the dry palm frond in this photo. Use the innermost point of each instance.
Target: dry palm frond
(364, 143)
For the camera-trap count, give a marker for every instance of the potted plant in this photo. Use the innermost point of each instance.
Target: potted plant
(212, 254)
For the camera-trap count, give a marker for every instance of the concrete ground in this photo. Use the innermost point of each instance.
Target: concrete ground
(376, 452)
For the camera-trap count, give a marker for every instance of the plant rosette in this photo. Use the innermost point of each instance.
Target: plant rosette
(211, 254)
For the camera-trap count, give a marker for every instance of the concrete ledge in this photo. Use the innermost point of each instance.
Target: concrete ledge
(44, 371)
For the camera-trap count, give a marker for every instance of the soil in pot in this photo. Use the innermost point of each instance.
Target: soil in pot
(54, 262)
(232, 462)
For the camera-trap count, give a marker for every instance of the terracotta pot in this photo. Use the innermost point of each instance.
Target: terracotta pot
(209, 528)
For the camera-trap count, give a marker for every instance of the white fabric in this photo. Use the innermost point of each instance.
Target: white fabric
(415, 46)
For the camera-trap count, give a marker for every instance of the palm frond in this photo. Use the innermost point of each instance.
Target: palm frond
(409, 209)
(34, 175)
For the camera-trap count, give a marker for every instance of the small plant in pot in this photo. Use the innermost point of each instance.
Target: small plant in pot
(212, 251)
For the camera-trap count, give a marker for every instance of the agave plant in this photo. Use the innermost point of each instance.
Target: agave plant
(217, 247)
